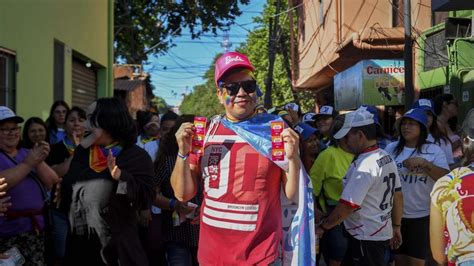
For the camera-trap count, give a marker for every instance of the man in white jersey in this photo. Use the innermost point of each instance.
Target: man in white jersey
(371, 203)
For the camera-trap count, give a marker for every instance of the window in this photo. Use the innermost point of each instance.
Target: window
(435, 51)
(7, 79)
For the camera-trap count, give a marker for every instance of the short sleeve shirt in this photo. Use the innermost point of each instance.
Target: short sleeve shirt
(26, 195)
(241, 210)
(445, 146)
(417, 186)
(453, 196)
(369, 187)
(327, 173)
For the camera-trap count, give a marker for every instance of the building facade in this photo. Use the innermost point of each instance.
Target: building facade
(334, 35)
(55, 50)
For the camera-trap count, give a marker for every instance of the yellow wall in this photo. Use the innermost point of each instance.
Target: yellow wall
(30, 27)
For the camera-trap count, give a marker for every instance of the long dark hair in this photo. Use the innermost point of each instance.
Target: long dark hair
(437, 133)
(440, 100)
(336, 126)
(168, 144)
(421, 139)
(143, 117)
(26, 142)
(111, 114)
(50, 122)
(80, 112)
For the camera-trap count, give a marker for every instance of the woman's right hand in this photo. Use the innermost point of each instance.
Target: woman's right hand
(37, 154)
(184, 137)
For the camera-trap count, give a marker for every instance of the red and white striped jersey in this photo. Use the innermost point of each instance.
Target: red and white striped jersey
(240, 212)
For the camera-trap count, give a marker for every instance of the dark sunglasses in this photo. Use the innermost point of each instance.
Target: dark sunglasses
(249, 86)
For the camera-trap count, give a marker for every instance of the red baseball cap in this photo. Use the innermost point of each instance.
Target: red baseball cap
(229, 61)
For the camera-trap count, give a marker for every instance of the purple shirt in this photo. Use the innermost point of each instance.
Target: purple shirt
(26, 195)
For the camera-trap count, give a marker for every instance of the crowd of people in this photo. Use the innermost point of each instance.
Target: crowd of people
(97, 187)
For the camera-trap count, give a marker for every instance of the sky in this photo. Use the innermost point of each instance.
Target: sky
(182, 67)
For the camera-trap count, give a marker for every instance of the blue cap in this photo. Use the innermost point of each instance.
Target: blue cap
(418, 115)
(305, 130)
(425, 104)
(373, 110)
(308, 117)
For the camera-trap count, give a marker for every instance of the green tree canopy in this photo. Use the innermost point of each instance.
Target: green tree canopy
(203, 101)
(160, 104)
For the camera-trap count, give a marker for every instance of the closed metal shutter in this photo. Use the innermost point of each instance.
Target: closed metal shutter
(84, 84)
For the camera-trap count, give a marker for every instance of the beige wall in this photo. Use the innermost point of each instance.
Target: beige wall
(325, 33)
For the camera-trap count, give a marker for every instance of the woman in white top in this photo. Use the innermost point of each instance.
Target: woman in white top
(435, 134)
(446, 108)
(419, 164)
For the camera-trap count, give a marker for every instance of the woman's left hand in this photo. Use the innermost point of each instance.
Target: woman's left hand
(415, 164)
(115, 171)
(291, 140)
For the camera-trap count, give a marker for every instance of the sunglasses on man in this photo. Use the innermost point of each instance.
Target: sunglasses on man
(249, 86)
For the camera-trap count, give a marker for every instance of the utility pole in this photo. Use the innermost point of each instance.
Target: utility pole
(226, 43)
(272, 35)
(286, 62)
(408, 55)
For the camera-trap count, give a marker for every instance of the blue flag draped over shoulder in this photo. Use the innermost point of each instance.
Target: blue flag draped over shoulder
(299, 238)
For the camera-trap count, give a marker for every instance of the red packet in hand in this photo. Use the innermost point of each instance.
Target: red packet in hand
(278, 147)
(199, 134)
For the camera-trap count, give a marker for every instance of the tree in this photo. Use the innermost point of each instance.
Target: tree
(145, 24)
(256, 48)
(203, 100)
(160, 104)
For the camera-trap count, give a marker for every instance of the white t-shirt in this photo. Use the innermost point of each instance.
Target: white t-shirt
(369, 186)
(445, 146)
(417, 186)
(152, 148)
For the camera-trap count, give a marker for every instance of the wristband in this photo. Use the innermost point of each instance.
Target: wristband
(183, 157)
(396, 225)
(172, 203)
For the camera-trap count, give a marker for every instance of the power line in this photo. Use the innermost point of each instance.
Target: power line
(181, 78)
(289, 9)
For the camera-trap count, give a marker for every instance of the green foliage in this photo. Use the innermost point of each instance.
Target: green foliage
(256, 48)
(203, 100)
(142, 24)
(160, 104)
